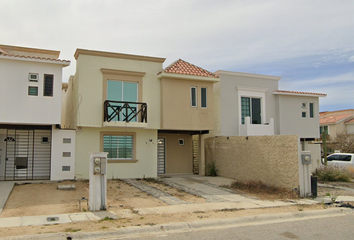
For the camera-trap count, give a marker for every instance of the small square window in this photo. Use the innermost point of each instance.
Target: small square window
(181, 142)
(45, 139)
(33, 77)
(32, 91)
(65, 168)
(303, 114)
(66, 154)
(66, 140)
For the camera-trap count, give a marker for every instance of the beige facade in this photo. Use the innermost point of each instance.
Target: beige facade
(176, 110)
(270, 159)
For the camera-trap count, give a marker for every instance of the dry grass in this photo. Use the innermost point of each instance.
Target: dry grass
(264, 191)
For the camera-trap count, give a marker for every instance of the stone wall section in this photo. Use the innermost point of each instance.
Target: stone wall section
(270, 159)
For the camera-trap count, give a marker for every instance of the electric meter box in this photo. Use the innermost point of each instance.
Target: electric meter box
(100, 165)
(306, 158)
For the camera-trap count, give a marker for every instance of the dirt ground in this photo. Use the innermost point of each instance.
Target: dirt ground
(323, 191)
(45, 199)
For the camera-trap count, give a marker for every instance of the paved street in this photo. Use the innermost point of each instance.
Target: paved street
(323, 228)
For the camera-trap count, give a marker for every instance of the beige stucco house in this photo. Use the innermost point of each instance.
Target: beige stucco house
(337, 122)
(144, 116)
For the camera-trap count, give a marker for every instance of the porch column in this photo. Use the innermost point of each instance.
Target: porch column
(201, 162)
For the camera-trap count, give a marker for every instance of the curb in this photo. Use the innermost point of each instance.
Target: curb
(194, 226)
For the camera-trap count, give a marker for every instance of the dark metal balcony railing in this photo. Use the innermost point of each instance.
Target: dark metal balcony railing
(125, 111)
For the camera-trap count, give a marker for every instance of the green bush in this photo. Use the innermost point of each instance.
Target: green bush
(333, 174)
(211, 169)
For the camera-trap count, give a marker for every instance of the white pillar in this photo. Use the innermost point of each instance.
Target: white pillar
(98, 182)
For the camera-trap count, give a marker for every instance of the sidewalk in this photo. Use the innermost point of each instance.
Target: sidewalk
(6, 188)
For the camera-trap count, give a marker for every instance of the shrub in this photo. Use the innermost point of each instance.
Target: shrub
(211, 169)
(333, 174)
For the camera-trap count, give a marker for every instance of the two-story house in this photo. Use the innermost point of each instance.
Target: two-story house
(32, 145)
(144, 116)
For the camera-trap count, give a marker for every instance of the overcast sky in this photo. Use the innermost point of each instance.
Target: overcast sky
(309, 43)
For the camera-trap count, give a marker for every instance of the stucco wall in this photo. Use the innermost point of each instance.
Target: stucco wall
(89, 82)
(350, 128)
(179, 159)
(315, 150)
(58, 161)
(16, 105)
(177, 112)
(291, 120)
(89, 140)
(270, 159)
(229, 104)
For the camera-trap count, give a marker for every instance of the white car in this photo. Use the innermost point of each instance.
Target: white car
(341, 159)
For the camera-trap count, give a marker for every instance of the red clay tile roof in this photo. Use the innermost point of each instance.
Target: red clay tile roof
(304, 93)
(182, 67)
(350, 120)
(3, 53)
(333, 118)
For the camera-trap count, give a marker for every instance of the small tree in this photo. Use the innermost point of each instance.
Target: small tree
(344, 143)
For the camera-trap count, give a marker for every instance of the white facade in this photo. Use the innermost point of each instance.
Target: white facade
(17, 106)
(30, 110)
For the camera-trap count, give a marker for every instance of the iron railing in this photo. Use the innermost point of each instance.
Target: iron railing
(125, 111)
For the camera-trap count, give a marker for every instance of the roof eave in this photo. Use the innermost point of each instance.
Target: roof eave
(248, 75)
(187, 77)
(299, 94)
(64, 63)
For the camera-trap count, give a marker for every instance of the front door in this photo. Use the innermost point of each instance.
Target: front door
(161, 155)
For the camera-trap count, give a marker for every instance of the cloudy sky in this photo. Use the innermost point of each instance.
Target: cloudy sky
(310, 44)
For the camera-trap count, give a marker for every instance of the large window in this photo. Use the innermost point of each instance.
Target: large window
(324, 128)
(251, 107)
(48, 85)
(194, 96)
(119, 147)
(203, 97)
(311, 110)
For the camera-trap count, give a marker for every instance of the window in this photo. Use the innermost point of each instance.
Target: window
(33, 77)
(341, 157)
(65, 168)
(251, 107)
(203, 97)
(324, 128)
(66, 140)
(32, 91)
(304, 105)
(66, 154)
(181, 142)
(303, 114)
(194, 96)
(119, 146)
(45, 139)
(48, 85)
(311, 110)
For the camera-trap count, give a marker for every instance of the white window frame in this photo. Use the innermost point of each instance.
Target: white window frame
(201, 97)
(313, 110)
(31, 79)
(252, 93)
(196, 96)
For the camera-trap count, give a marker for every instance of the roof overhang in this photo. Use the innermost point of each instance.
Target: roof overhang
(247, 75)
(300, 94)
(187, 77)
(63, 63)
(117, 55)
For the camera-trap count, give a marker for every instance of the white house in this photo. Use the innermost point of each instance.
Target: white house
(32, 145)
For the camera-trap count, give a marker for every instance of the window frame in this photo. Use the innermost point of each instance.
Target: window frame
(195, 97)
(45, 83)
(32, 87)
(201, 97)
(312, 109)
(250, 110)
(33, 80)
(120, 160)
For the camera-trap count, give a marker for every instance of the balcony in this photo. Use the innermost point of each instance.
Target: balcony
(249, 129)
(125, 114)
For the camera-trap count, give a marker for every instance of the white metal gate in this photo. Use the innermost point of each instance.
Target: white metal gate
(27, 154)
(161, 156)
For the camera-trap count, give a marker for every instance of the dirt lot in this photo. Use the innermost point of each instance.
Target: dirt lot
(45, 199)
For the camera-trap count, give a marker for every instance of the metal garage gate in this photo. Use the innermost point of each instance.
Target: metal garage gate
(27, 154)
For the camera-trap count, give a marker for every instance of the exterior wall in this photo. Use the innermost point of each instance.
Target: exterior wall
(291, 120)
(230, 112)
(273, 160)
(89, 140)
(20, 108)
(179, 159)
(89, 82)
(58, 161)
(350, 128)
(315, 150)
(177, 112)
(68, 107)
